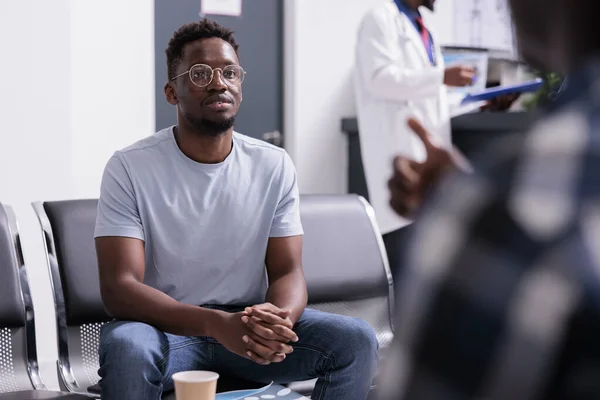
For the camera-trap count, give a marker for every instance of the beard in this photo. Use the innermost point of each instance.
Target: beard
(206, 127)
(213, 128)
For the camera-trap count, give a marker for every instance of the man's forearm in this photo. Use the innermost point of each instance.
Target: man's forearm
(133, 300)
(289, 292)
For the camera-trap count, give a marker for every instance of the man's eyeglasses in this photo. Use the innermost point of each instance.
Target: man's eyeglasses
(202, 75)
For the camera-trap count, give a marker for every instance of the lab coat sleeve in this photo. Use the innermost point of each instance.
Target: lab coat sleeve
(381, 69)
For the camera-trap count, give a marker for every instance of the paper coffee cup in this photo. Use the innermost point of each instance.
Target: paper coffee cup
(195, 385)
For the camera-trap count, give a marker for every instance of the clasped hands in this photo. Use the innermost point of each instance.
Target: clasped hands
(270, 332)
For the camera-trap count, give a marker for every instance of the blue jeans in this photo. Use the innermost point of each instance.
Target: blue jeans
(137, 360)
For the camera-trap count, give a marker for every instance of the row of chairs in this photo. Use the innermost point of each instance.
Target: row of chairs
(344, 261)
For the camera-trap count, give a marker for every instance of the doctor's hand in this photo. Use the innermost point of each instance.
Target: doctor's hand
(413, 180)
(459, 76)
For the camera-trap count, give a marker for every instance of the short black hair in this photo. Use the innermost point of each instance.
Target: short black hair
(204, 29)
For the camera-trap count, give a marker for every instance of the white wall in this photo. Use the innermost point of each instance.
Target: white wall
(443, 18)
(35, 137)
(319, 45)
(112, 83)
(320, 36)
(77, 83)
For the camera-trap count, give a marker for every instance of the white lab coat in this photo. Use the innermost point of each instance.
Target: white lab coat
(395, 80)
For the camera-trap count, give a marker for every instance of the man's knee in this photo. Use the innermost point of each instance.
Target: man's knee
(350, 339)
(130, 346)
(361, 339)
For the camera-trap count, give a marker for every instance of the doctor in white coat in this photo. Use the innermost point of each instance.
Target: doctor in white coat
(399, 74)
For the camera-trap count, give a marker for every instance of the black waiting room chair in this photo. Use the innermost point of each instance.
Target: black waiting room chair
(68, 229)
(344, 261)
(345, 265)
(19, 373)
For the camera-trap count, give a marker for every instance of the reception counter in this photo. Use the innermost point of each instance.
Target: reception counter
(471, 133)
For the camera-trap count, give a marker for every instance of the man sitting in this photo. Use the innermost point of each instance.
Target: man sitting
(199, 246)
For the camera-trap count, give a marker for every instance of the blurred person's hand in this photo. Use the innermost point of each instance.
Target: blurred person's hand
(459, 76)
(412, 180)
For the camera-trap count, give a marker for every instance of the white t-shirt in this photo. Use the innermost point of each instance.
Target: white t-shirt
(205, 226)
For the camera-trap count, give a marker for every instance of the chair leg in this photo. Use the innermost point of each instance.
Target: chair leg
(61, 381)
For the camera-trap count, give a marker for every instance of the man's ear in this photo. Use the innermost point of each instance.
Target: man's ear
(170, 94)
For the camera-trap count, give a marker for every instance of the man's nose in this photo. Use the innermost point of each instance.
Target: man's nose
(218, 82)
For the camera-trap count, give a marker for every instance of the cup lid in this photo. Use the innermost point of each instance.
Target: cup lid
(195, 376)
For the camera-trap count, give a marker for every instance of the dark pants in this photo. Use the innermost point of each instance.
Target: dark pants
(396, 243)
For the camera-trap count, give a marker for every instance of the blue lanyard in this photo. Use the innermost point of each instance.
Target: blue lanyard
(412, 16)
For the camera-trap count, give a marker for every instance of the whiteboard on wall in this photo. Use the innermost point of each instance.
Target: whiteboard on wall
(475, 23)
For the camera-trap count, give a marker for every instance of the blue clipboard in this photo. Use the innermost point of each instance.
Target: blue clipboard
(491, 93)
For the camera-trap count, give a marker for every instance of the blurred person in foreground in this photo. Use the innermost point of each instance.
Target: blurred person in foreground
(506, 303)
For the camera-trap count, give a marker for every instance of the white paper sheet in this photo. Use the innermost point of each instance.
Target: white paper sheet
(221, 7)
